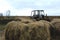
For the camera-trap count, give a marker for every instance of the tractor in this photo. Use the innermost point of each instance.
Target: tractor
(39, 15)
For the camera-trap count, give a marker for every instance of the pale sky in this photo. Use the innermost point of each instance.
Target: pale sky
(24, 7)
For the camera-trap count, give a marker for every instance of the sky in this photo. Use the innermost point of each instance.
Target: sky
(24, 7)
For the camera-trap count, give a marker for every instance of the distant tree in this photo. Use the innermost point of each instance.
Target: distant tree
(8, 13)
(46, 14)
(1, 14)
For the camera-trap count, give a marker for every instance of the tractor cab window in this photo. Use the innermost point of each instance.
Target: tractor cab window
(32, 13)
(36, 13)
(42, 13)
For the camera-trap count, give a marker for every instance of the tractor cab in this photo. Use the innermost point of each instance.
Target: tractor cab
(38, 14)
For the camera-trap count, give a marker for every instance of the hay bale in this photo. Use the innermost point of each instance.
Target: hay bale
(56, 23)
(55, 29)
(12, 31)
(16, 31)
(39, 31)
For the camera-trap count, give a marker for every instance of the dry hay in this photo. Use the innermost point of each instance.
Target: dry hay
(56, 19)
(23, 20)
(56, 23)
(10, 31)
(16, 19)
(16, 31)
(40, 30)
(33, 31)
(55, 29)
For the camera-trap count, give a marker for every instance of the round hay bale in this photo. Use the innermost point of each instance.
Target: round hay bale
(56, 29)
(12, 31)
(16, 31)
(55, 22)
(39, 31)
